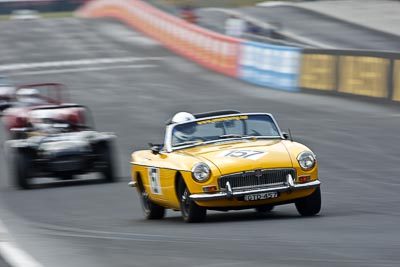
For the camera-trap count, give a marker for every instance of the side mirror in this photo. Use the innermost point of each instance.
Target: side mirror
(288, 136)
(155, 148)
(285, 135)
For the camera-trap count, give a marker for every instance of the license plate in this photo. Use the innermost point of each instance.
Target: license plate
(260, 196)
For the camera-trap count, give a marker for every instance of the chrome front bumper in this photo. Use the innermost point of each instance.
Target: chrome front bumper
(229, 193)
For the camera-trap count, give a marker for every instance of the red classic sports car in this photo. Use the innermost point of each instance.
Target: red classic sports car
(28, 97)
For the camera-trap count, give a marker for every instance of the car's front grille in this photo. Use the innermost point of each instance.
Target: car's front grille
(256, 178)
(66, 163)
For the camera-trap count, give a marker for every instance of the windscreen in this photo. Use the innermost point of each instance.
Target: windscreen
(222, 128)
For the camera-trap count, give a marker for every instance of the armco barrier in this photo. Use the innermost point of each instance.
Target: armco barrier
(270, 65)
(363, 73)
(212, 50)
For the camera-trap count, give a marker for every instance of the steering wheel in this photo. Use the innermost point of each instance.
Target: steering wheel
(255, 133)
(198, 139)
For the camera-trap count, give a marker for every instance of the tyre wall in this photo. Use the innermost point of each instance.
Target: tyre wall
(231, 56)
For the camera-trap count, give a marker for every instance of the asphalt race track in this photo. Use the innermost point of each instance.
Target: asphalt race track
(314, 28)
(132, 94)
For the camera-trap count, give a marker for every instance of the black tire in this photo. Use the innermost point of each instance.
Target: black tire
(191, 212)
(310, 205)
(106, 157)
(22, 165)
(151, 210)
(264, 209)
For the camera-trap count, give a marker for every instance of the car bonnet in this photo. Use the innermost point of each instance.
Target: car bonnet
(231, 157)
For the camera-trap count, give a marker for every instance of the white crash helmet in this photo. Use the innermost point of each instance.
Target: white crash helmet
(29, 95)
(7, 91)
(182, 116)
(183, 132)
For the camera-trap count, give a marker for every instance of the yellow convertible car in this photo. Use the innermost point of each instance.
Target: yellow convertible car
(225, 160)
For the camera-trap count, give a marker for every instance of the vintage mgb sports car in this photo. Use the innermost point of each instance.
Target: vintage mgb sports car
(225, 160)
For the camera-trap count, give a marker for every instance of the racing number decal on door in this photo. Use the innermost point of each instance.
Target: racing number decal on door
(154, 180)
(244, 154)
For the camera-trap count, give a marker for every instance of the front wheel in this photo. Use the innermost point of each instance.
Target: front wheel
(310, 205)
(191, 212)
(107, 168)
(22, 165)
(151, 210)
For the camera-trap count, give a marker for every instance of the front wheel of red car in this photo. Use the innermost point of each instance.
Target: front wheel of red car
(310, 205)
(191, 212)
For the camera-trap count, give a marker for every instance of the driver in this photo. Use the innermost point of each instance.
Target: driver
(42, 121)
(29, 96)
(183, 132)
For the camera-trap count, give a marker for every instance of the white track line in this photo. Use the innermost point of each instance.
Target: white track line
(79, 62)
(12, 254)
(42, 72)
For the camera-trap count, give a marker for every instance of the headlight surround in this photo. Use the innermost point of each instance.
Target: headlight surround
(306, 160)
(201, 172)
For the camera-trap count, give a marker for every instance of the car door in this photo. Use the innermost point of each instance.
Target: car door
(161, 172)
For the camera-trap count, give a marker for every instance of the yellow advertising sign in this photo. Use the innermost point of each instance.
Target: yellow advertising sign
(396, 81)
(362, 75)
(318, 72)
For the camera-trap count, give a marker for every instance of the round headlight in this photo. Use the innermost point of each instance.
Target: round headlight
(201, 172)
(306, 160)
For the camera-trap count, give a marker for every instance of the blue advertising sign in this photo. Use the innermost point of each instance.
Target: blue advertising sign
(270, 65)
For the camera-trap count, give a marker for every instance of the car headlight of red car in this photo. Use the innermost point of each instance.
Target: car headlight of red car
(201, 172)
(306, 160)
